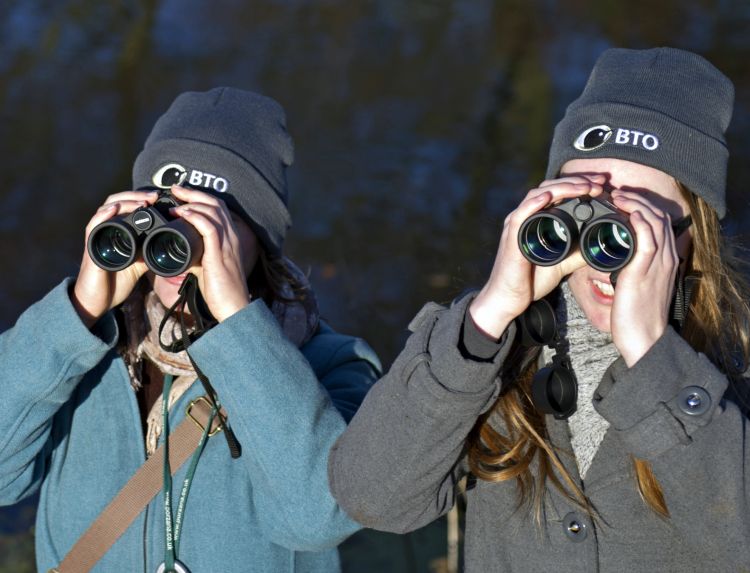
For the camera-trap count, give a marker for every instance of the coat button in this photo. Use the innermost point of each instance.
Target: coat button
(575, 527)
(694, 400)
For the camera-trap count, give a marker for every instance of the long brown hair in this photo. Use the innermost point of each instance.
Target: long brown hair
(717, 325)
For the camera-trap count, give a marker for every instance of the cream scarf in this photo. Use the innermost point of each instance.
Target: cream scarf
(143, 314)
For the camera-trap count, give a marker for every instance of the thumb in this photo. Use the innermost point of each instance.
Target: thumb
(571, 263)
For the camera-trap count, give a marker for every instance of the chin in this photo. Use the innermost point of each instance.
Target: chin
(167, 290)
(599, 318)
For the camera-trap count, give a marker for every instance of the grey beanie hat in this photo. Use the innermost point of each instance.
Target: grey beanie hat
(663, 107)
(230, 143)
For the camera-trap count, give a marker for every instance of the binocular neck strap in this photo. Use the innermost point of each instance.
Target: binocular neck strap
(683, 293)
(190, 296)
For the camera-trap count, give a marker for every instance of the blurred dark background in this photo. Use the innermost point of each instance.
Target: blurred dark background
(418, 126)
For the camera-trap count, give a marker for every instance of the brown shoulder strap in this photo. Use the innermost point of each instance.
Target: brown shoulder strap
(114, 520)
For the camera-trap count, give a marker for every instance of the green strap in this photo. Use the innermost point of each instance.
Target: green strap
(173, 527)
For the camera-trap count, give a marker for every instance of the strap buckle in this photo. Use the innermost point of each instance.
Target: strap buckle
(188, 413)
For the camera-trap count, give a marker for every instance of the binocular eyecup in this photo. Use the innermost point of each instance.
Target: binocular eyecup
(169, 245)
(603, 233)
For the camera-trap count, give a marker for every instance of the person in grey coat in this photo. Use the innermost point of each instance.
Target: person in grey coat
(648, 470)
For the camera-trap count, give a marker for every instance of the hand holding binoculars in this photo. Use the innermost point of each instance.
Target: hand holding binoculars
(605, 237)
(169, 244)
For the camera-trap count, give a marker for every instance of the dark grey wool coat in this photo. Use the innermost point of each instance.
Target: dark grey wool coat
(397, 465)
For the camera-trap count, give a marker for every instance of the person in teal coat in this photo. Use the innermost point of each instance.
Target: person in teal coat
(85, 372)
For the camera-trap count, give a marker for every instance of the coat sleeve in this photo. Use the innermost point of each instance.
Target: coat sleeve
(286, 418)
(42, 359)
(676, 410)
(396, 466)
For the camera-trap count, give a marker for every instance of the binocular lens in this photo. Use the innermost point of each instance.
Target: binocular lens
(113, 247)
(607, 245)
(167, 253)
(545, 240)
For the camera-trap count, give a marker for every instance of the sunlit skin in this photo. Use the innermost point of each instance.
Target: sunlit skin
(638, 313)
(639, 188)
(242, 243)
(230, 251)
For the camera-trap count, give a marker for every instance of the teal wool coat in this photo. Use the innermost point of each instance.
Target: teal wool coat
(71, 429)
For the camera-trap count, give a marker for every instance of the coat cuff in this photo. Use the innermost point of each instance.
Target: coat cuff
(475, 343)
(456, 368)
(670, 393)
(64, 320)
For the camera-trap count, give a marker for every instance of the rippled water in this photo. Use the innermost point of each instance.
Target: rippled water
(418, 125)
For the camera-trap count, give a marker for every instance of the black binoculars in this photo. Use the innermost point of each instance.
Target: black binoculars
(169, 244)
(606, 239)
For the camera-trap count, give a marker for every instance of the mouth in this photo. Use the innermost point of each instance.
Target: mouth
(177, 280)
(603, 291)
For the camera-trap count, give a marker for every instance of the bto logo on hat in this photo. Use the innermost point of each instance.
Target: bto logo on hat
(175, 174)
(665, 108)
(594, 137)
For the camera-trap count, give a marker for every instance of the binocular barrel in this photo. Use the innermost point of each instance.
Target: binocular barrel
(603, 233)
(169, 245)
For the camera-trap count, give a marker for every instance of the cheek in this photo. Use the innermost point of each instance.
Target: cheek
(577, 283)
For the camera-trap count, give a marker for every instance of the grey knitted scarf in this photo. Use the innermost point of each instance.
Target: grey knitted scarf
(591, 352)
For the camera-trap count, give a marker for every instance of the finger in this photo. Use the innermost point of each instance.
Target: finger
(598, 178)
(631, 201)
(148, 196)
(210, 211)
(210, 232)
(572, 262)
(655, 217)
(646, 241)
(560, 190)
(527, 207)
(104, 213)
(216, 215)
(194, 196)
(124, 207)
